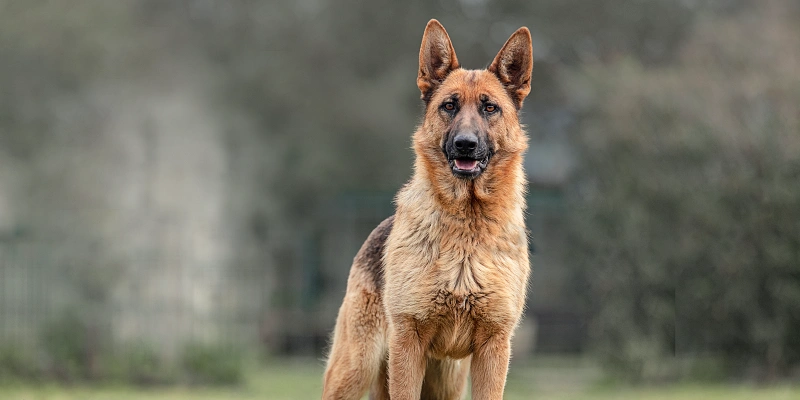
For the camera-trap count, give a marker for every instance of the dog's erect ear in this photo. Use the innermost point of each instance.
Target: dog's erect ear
(436, 58)
(513, 65)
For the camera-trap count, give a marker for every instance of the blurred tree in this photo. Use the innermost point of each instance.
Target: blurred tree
(686, 203)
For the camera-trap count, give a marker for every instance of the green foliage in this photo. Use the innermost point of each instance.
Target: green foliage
(207, 364)
(71, 357)
(686, 207)
(17, 364)
(74, 355)
(65, 341)
(140, 364)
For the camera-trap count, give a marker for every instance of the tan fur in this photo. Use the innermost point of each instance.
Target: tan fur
(451, 286)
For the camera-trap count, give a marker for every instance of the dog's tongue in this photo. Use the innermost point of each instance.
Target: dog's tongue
(466, 164)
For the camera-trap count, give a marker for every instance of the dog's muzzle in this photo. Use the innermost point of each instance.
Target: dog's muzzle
(467, 154)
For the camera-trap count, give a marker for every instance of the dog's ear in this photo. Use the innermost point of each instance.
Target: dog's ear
(437, 59)
(513, 65)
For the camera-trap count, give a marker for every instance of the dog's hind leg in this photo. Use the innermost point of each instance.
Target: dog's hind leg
(445, 379)
(358, 347)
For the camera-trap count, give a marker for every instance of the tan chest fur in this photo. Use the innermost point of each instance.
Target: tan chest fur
(454, 275)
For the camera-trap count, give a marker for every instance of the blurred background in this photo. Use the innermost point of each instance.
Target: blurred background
(184, 184)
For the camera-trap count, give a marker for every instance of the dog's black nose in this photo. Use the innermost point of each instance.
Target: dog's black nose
(465, 142)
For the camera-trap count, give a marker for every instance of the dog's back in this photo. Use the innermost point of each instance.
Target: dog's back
(367, 269)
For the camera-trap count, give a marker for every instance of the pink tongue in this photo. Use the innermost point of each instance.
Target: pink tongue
(466, 164)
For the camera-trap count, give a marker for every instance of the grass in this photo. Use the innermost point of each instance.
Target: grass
(302, 380)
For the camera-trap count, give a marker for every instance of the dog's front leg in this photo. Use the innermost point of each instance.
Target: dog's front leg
(406, 360)
(489, 367)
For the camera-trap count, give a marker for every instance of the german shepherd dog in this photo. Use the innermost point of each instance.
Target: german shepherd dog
(437, 289)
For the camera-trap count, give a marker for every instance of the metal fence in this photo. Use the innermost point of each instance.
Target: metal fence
(165, 296)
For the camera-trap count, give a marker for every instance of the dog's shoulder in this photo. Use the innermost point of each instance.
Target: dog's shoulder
(369, 260)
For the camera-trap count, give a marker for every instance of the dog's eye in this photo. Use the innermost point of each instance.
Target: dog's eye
(490, 108)
(449, 106)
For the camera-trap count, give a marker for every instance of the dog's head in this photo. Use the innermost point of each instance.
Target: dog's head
(471, 116)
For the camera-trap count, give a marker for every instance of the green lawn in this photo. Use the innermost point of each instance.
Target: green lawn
(300, 381)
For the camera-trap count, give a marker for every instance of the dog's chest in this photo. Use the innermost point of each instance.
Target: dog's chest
(452, 321)
(474, 285)
(456, 280)
(474, 261)
(468, 262)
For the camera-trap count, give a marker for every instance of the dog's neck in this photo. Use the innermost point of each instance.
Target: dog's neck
(498, 194)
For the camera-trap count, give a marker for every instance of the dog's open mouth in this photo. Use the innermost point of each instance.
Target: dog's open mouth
(468, 167)
(466, 164)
